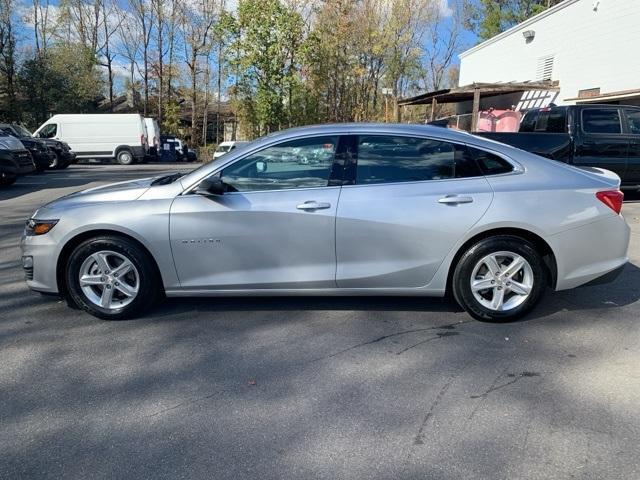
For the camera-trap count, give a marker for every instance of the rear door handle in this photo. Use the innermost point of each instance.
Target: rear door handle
(313, 205)
(454, 200)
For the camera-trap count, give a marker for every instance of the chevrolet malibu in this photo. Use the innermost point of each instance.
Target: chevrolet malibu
(382, 210)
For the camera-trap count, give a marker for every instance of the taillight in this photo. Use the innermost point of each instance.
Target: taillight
(612, 199)
(143, 139)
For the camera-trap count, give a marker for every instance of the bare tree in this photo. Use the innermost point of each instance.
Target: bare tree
(144, 17)
(111, 21)
(8, 58)
(197, 25)
(129, 46)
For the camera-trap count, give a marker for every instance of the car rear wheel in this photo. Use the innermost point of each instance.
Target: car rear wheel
(125, 157)
(112, 278)
(499, 278)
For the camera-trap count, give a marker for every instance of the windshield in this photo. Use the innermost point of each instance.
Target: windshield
(166, 179)
(23, 132)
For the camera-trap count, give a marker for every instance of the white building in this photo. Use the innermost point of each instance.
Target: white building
(591, 47)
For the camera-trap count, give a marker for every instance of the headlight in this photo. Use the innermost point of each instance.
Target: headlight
(39, 227)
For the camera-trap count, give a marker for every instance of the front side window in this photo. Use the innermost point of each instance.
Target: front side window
(301, 163)
(633, 118)
(48, 131)
(601, 120)
(393, 159)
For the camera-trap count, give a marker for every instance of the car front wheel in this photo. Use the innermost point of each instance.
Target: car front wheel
(499, 278)
(111, 278)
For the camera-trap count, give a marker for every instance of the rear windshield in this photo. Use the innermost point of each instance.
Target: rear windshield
(548, 120)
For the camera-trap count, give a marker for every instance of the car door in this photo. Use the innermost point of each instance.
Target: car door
(633, 162)
(410, 201)
(274, 228)
(602, 142)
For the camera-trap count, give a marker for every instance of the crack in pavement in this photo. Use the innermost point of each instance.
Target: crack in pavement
(448, 326)
(438, 335)
(419, 438)
(495, 387)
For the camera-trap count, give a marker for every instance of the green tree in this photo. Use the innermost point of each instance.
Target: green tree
(266, 60)
(491, 17)
(65, 79)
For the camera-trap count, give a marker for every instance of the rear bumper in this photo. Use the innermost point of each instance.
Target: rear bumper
(593, 252)
(606, 278)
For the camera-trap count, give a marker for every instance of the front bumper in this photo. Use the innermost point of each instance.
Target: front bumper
(42, 159)
(40, 270)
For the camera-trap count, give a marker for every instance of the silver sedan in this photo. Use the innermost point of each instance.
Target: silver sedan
(337, 210)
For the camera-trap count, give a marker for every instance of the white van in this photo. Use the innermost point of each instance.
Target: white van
(153, 136)
(226, 147)
(102, 136)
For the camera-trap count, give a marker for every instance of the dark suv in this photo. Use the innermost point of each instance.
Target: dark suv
(46, 153)
(15, 160)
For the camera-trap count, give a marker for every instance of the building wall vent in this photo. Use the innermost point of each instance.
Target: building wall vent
(544, 71)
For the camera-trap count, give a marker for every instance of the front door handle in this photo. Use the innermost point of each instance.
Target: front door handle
(455, 200)
(313, 205)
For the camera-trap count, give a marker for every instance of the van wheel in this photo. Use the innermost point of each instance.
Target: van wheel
(499, 278)
(125, 157)
(7, 179)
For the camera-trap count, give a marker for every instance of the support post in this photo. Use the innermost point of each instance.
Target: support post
(476, 110)
(434, 102)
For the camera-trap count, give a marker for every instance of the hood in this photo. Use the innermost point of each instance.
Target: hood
(33, 143)
(114, 192)
(7, 142)
(55, 144)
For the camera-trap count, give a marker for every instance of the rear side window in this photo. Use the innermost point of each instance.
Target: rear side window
(489, 163)
(633, 119)
(552, 121)
(394, 159)
(601, 120)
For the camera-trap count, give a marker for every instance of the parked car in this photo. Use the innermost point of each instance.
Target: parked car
(401, 210)
(15, 160)
(175, 149)
(46, 153)
(153, 136)
(606, 136)
(106, 136)
(226, 147)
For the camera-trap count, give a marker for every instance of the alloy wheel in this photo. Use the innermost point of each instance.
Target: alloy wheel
(109, 279)
(502, 281)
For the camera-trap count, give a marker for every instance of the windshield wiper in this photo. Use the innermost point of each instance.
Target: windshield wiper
(166, 179)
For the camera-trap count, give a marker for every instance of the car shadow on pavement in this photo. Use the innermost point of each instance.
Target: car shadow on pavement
(625, 290)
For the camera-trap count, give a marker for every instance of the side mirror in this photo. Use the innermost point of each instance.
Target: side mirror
(211, 186)
(261, 166)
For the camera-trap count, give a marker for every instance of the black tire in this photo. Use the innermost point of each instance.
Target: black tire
(462, 277)
(7, 179)
(149, 283)
(55, 162)
(125, 157)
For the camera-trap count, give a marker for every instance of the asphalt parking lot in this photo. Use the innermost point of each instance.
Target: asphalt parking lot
(301, 388)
